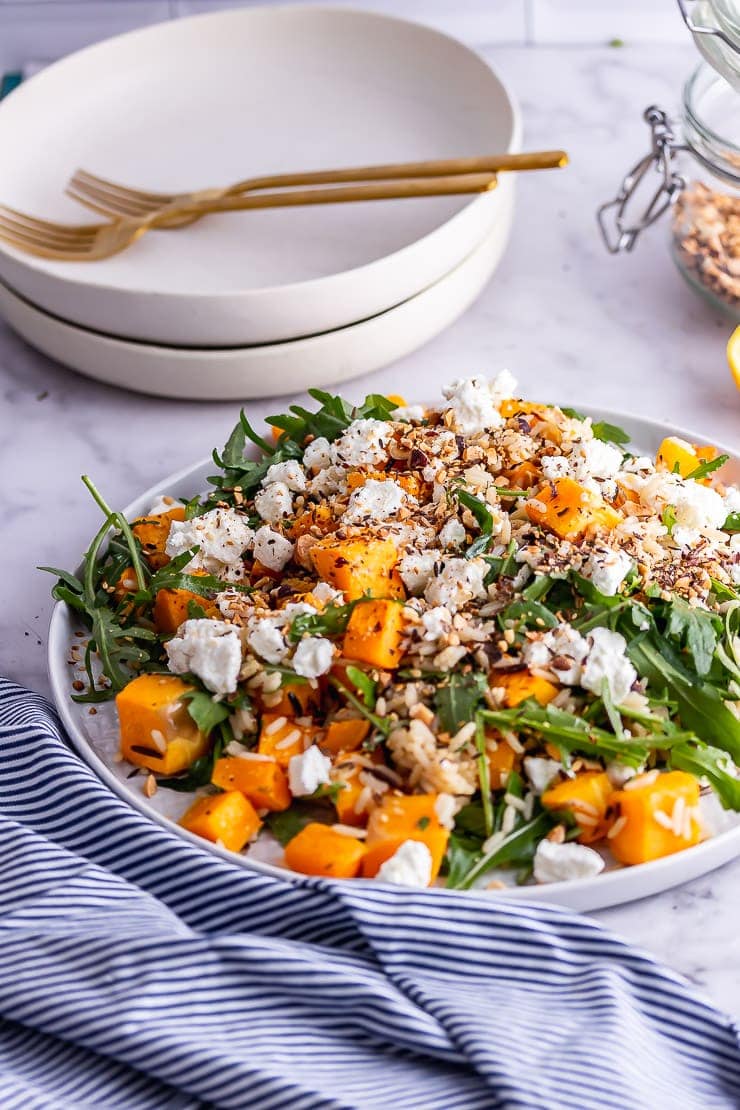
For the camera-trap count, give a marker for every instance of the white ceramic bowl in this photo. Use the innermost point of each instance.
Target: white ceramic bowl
(96, 740)
(212, 99)
(261, 371)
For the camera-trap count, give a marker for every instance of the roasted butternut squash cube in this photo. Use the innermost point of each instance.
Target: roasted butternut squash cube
(356, 566)
(587, 798)
(344, 735)
(171, 608)
(319, 517)
(157, 731)
(294, 699)
(511, 406)
(569, 510)
(152, 533)
(259, 778)
(281, 738)
(401, 817)
(228, 819)
(374, 633)
(355, 800)
(321, 850)
(523, 476)
(520, 685)
(655, 816)
(678, 456)
(501, 762)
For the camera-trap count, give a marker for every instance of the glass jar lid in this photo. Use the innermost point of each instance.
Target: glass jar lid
(715, 25)
(711, 123)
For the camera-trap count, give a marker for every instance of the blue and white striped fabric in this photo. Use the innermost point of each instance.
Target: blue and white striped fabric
(137, 971)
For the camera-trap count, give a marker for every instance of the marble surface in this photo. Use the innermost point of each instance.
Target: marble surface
(574, 324)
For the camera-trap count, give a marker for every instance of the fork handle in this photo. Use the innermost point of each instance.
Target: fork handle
(385, 190)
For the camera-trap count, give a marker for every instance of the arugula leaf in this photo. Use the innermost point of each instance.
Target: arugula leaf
(668, 516)
(287, 824)
(538, 588)
(364, 685)
(484, 776)
(172, 577)
(330, 420)
(331, 621)
(732, 524)
(574, 414)
(501, 566)
(696, 630)
(700, 706)
(456, 701)
(206, 712)
(723, 592)
(383, 725)
(198, 774)
(609, 433)
(528, 613)
(463, 852)
(713, 764)
(585, 587)
(708, 467)
(484, 520)
(518, 846)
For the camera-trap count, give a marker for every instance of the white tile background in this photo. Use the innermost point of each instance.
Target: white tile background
(47, 29)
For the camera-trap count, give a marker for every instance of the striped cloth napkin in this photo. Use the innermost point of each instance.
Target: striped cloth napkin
(138, 971)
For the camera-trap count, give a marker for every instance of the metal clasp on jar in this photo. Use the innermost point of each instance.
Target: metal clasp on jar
(622, 219)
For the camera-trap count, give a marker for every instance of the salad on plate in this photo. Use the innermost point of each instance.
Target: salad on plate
(428, 644)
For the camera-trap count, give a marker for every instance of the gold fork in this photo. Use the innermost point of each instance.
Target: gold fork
(92, 242)
(113, 199)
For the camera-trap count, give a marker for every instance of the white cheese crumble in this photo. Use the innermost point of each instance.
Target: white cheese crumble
(313, 657)
(592, 458)
(732, 500)
(459, 581)
(557, 863)
(326, 594)
(266, 640)
(607, 662)
(308, 771)
(416, 568)
(317, 455)
(210, 649)
(409, 414)
(452, 534)
(362, 444)
(563, 645)
(410, 865)
(272, 549)
(607, 569)
(290, 473)
(222, 536)
(541, 771)
(473, 405)
(329, 481)
(555, 466)
(436, 622)
(376, 501)
(274, 502)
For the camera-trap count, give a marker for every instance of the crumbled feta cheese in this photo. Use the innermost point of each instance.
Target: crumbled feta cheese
(163, 504)
(274, 502)
(562, 650)
(410, 865)
(607, 569)
(362, 444)
(329, 481)
(308, 771)
(555, 466)
(452, 534)
(375, 501)
(313, 657)
(635, 465)
(699, 507)
(473, 405)
(732, 500)
(436, 622)
(290, 473)
(409, 414)
(558, 863)
(541, 772)
(459, 581)
(503, 386)
(416, 568)
(222, 536)
(593, 458)
(210, 649)
(326, 594)
(607, 661)
(266, 640)
(272, 549)
(317, 455)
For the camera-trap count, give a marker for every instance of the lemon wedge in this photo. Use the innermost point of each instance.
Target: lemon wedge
(733, 355)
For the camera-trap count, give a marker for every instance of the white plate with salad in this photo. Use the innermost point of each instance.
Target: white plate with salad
(486, 644)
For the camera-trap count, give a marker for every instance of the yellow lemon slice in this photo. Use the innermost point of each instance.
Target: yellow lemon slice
(733, 355)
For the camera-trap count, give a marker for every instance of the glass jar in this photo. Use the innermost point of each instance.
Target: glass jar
(715, 25)
(696, 178)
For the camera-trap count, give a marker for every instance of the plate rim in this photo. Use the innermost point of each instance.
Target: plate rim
(574, 893)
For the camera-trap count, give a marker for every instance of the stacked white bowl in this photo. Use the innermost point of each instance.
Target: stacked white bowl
(259, 303)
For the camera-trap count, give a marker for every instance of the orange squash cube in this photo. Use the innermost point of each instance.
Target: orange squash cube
(501, 762)
(569, 510)
(401, 817)
(587, 798)
(374, 634)
(349, 771)
(281, 738)
(344, 735)
(520, 685)
(157, 732)
(320, 850)
(356, 566)
(152, 533)
(171, 608)
(262, 781)
(678, 456)
(294, 699)
(655, 816)
(229, 819)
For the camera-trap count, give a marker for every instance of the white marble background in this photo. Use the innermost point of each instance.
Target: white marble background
(573, 323)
